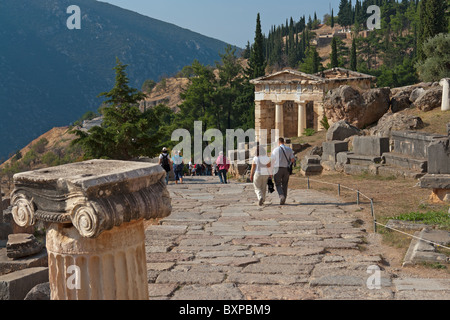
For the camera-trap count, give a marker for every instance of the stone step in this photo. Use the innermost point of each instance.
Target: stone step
(16, 285)
(387, 171)
(362, 160)
(405, 161)
(312, 169)
(356, 169)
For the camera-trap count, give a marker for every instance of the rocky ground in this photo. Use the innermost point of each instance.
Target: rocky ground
(218, 244)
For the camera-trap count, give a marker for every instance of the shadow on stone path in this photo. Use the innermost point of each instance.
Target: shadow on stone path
(219, 245)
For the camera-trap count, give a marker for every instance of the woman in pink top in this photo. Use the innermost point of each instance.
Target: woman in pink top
(223, 165)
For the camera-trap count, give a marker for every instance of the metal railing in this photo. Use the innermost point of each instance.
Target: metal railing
(359, 194)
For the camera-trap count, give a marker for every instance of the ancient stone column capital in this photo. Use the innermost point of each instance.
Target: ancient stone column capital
(94, 196)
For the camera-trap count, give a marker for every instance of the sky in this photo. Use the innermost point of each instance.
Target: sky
(232, 21)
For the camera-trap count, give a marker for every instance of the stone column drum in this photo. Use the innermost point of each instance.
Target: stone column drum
(445, 83)
(279, 118)
(96, 211)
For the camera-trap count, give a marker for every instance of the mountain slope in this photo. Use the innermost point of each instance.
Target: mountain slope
(51, 75)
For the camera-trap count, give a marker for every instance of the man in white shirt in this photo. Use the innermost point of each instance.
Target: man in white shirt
(282, 158)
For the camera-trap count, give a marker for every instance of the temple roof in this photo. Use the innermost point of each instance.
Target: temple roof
(287, 76)
(293, 76)
(341, 73)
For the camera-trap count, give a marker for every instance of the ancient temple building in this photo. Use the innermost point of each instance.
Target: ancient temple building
(292, 101)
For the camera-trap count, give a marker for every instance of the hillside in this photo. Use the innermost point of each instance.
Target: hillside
(52, 75)
(166, 92)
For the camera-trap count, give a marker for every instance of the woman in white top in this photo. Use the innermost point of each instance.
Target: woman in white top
(261, 172)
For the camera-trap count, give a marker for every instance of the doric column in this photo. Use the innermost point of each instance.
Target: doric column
(445, 94)
(301, 118)
(279, 118)
(96, 209)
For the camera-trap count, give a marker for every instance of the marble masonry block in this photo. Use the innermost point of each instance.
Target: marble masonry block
(370, 146)
(414, 144)
(439, 157)
(93, 196)
(332, 148)
(22, 245)
(96, 211)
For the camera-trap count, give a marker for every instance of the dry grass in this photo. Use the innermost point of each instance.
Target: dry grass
(393, 196)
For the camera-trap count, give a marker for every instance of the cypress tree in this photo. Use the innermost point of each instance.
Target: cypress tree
(334, 55)
(257, 62)
(332, 18)
(353, 61)
(432, 21)
(345, 13)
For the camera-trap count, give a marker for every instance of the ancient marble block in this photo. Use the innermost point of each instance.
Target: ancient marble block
(435, 181)
(22, 245)
(332, 148)
(370, 146)
(96, 210)
(93, 196)
(439, 157)
(440, 184)
(414, 144)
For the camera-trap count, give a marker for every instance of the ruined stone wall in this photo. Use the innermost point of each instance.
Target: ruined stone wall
(264, 116)
(358, 84)
(290, 118)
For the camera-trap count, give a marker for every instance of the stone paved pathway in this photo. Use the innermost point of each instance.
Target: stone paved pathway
(218, 244)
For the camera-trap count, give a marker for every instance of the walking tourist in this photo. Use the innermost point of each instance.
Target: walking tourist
(223, 165)
(191, 168)
(260, 174)
(165, 163)
(282, 158)
(178, 167)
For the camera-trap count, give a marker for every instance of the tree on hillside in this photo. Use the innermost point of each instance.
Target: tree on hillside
(126, 132)
(199, 100)
(230, 81)
(345, 13)
(334, 55)
(433, 20)
(353, 57)
(311, 63)
(436, 64)
(257, 61)
(332, 18)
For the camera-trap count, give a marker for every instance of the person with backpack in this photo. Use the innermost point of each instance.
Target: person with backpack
(178, 167)
(283, 159)
(165, 163)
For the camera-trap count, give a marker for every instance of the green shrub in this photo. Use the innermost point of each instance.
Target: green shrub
(324, 123)
(39, 147)
(309, 132)
(50, 159)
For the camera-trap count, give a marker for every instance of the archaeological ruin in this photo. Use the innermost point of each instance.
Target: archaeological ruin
(94, 213)
(292, 101)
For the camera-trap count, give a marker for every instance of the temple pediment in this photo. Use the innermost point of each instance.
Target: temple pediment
(287, 76)
(341, 73)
